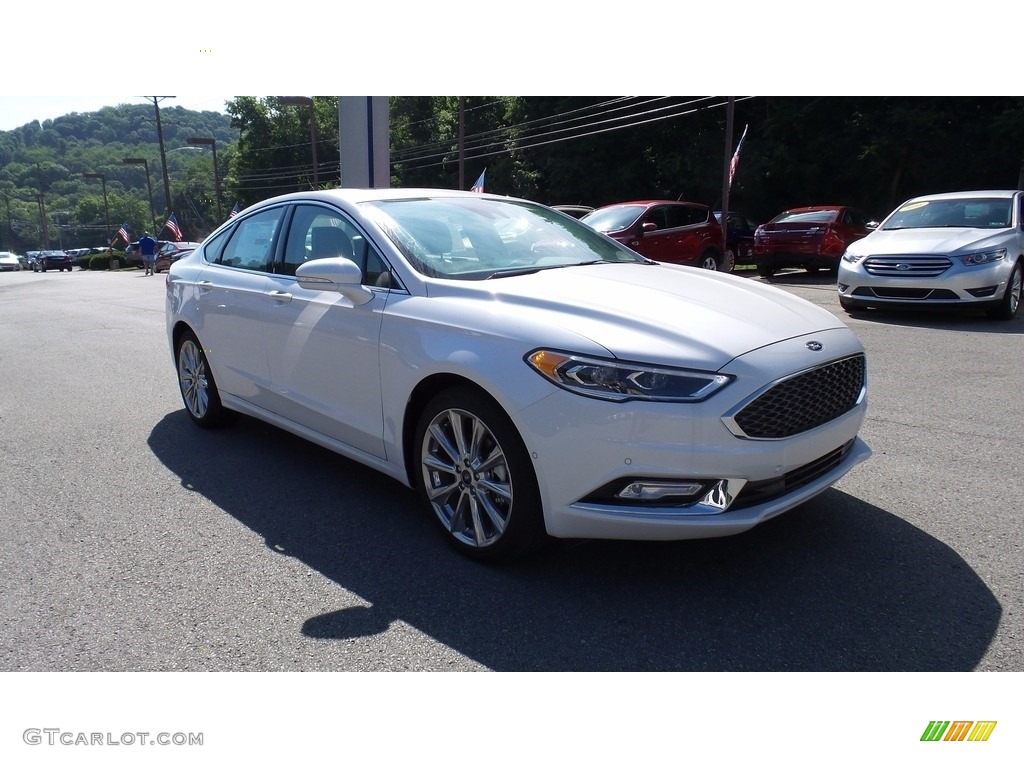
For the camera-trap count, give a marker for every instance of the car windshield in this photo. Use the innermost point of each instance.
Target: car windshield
(475, 238)
(974, 212)
(614, 218)
(814, 217)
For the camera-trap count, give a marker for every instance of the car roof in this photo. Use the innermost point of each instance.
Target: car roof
(649, 203)
(1007, 193)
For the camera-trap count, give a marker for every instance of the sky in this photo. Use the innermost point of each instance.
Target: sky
(16, 111)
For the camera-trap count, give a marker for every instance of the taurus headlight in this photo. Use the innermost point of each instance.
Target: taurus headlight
(982, 257)
(618, 380)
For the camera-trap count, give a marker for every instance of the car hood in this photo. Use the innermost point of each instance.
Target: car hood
(663, 314)
(929, 241)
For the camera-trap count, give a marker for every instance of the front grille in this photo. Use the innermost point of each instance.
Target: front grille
(914, 293)
(762, 491)
(907, 266)
(804, 401)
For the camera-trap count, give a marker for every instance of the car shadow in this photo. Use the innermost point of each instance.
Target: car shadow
(835, 585)
(971, 321)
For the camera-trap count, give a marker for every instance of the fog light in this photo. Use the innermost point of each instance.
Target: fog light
(843, 287)
(648, 491)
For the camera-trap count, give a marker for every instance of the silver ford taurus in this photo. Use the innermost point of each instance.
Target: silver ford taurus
(959, 249)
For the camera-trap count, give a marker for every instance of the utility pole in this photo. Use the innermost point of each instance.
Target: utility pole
(163, 155)
(462, 142)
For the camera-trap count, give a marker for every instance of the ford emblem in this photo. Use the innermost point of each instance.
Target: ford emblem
(815, 346)
(902, 267)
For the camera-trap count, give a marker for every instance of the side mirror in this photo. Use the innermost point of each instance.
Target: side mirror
(337, 274)
(647, 226)
(872, 225)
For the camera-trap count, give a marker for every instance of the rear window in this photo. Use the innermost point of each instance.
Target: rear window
(819, 217)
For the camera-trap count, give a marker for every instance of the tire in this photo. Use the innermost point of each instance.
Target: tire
(709, 260)
(195, 381)
(1008, 306)
(729, 260)
(850, 306)
(765, 270)
(473, 471)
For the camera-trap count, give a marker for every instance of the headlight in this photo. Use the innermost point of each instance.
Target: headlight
(616, 380)
(982, 257)
(852, 258)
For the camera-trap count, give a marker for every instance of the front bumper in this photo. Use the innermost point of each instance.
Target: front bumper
(957, 285)
(583, 447)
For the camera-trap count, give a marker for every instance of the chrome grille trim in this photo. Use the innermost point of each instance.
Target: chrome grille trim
(907, 266)
(802, 401)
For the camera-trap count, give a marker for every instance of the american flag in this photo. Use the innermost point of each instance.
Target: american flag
(478, 185)
(235, 211)
(736, 156)
(172, 224)
(125, 233)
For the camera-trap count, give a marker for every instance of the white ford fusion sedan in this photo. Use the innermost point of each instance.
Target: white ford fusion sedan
(530, 377)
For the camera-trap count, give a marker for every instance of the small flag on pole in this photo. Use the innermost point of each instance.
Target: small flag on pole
(235, 211)
(172, 224)
(478, 185)
(125, 233)
(736, 156)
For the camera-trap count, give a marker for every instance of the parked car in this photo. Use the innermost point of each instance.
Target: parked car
(134, 258)
(9, 262)
(953, 250)
(739, 239)
(54, 260)
(529, 376)
(673, 232)
(170, 252)
(32, 258)
(813, 237)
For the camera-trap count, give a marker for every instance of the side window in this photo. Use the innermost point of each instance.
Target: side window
(323, 233)
(657, 215)
(251, 244)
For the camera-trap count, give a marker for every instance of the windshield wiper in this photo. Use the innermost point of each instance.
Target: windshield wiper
(515, 271)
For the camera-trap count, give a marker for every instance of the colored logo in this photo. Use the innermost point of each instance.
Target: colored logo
(958, 730)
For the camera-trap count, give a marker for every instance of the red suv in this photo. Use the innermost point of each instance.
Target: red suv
(813, 237)
(663, 230)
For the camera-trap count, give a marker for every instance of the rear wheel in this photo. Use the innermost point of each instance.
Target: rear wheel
(729, 260)
(709, 260)
(195, 380)
(1010, 303)
(765, 270)
(475, 474)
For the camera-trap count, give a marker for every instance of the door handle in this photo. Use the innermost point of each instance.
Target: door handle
(204, 285)
(281, 296)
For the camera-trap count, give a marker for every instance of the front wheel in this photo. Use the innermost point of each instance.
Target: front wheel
(475, 474)
(195, 380)
(1010, 303)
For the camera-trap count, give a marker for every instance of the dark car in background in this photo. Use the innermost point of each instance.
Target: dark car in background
(671, 231)
(54, 260)
(170, 252)
(812, 238)
(739, 239)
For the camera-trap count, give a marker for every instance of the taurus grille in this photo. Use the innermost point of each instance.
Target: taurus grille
(907, 266)
(802, 402)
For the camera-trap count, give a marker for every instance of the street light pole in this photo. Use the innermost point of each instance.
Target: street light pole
(204, 141)
(304, 101)
(106, 208)
(149, 184)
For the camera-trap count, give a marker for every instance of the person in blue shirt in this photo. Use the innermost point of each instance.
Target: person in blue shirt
(147, 248)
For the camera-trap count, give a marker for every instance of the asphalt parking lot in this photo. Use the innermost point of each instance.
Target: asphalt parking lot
(134, 541)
